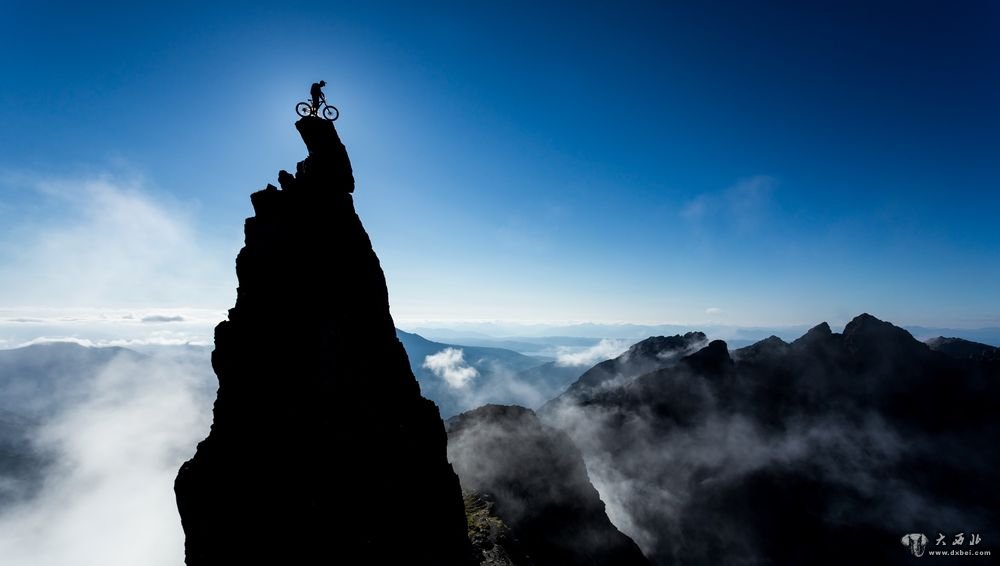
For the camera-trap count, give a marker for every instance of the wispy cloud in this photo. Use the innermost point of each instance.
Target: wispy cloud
(106, 242)
(449, 364)
(163, 318)
(161, 339)
(696, 208)
(603, 350)
(743, 205)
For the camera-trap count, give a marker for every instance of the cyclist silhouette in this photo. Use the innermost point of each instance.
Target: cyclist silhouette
(317, 94)
(317, 106)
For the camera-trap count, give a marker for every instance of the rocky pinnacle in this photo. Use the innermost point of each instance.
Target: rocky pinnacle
(322, 450)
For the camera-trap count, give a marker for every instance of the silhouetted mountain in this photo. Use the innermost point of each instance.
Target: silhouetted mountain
(643, 357)
(322, 449)
(988, 335)
(520, 337)
(501, 376)
(823, 451)
(533, 480)
(964, 349)
(767, 348)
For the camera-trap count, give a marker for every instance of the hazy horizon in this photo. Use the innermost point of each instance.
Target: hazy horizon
(179, 327)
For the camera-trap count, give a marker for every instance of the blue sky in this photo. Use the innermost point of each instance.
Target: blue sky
(740, 163)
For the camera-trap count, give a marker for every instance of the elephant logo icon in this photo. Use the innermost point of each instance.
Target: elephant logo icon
(916, 542)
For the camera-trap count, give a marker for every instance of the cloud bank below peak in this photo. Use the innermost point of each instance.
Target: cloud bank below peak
(603, 350)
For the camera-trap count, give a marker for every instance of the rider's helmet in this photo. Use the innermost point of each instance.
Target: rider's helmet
(322, 83)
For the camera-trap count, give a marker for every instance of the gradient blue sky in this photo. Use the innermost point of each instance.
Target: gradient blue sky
(746, 163)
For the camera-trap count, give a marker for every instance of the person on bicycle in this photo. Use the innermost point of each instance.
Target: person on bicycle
(317, 95)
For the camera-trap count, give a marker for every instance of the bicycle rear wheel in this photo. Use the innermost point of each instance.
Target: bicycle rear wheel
(330, 112)
(303, 109)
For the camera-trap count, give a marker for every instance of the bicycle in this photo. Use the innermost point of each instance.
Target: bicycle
(325, 110)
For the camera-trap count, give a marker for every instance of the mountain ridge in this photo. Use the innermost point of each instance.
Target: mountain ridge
(723, 457)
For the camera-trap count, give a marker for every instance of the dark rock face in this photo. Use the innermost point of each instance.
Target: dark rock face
(763, 350)
(322, 449)
(824, 451)
(643, 357)
(539, 489)
(964, 349)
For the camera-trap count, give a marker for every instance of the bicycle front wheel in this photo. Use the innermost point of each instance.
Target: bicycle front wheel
(303, 109)
(331, 113)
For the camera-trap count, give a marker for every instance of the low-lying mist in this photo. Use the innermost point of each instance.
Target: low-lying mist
(106, 454)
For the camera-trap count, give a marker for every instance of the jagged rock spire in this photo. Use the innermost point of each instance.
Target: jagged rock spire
(322, 450)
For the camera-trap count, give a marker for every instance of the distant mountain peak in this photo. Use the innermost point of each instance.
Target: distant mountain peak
(821, 331)
(713, 358)
(960, 348)
(665, 346)
(642, 357)
(765, 349)
(865, 323)
(867, 336)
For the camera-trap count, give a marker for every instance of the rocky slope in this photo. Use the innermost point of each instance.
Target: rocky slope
(529, 486)
(643, 357)
(964, 349)
(322, 449)
(826, 450)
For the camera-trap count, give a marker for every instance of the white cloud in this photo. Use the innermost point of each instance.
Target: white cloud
(156, 340)
(713, 310)
(449, 364)
(104, 242)
(163, 318)
(603, 350)
(109, 499)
